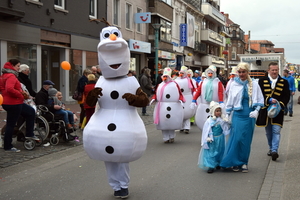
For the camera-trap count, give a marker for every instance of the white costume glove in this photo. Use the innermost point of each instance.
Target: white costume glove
(193, 105)
(253, 114)
(209, 140)
(227, 118)
(182, 104)
(151, 102)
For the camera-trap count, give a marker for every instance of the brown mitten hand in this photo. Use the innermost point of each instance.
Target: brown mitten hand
(139, 100)
(93, 96)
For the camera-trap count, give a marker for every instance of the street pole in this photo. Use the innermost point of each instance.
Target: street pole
(156, 30)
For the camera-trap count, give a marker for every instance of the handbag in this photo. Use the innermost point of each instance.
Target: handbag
(274, 109)
(77, 95)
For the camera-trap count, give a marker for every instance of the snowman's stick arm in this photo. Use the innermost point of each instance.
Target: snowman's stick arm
(140, 99)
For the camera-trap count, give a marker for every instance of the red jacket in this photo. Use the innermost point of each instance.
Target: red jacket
(11, 87)
(88, 87)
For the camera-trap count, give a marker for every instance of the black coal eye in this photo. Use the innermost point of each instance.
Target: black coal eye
(116, 33)
(106, 35)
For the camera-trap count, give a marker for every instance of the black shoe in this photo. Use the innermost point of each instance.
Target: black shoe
(291, 115)
(210, 170)
(186, 131)
(124, 193)
(181, 130)
(117, 194)
(218, 167)
(192, 123)
(235, 168)
(274, 156)
(269, 153)
(285, 113)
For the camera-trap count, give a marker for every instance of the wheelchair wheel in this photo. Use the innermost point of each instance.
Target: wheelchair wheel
(29, 144)
(54, 140)
(41, 127)
(38, 143)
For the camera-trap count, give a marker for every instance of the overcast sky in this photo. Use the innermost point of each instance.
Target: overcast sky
(275, 20)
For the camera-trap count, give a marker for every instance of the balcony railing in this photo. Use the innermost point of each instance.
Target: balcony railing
(200, 47)
(212, 36)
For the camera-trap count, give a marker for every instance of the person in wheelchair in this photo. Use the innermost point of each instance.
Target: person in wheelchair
(68, 116)
(42, 98)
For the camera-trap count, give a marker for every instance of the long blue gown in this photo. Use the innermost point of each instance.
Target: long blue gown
(211, 158)
(238, 146)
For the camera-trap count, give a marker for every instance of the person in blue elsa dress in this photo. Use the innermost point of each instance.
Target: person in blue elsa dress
(213, 139)
(243, 104)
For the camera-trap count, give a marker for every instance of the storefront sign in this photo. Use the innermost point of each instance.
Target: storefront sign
(183, 35)
(143, 18)
(262, 58)
(166, 55)
(139, 46)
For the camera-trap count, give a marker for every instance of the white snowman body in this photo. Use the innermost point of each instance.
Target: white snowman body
(187, 93)
(115, 132)
(168, 109)
(202, 112)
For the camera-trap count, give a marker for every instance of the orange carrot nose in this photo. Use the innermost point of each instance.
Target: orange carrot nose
(164, 78)
(180, 75)
(112, 37)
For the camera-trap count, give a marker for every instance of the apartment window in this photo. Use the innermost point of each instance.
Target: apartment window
(93, 9)
(59, 4)
(139, 26)
(128, 15)
(197, 33)
(168, 2)
(116, 11)
(233, 53)
(166, 31)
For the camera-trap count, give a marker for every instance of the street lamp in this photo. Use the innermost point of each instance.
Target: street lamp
(156, 30)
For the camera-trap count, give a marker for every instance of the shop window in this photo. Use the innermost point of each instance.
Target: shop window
(76, 69)
(27, 54)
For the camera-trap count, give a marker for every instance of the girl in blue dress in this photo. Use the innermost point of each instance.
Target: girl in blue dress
(243, 103)
(213, 139)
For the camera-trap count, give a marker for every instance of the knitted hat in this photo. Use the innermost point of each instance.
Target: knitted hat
(233, 70)
(168, 72)
(52, 92)
(212, 107)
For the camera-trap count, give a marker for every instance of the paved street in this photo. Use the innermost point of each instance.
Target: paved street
(166, 171)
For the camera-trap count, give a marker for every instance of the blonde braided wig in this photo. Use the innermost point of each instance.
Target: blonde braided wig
(245, 66)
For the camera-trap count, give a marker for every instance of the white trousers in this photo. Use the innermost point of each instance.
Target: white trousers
(168, 134)
(117, 175)
(186, 124)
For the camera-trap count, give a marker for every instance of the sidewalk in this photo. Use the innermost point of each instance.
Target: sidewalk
(9, 159)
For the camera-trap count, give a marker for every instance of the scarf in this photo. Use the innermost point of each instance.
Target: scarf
(273, 81)
(209, 89)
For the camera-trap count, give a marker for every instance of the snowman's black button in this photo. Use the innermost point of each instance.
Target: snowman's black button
(168, 96)
(111, 127)
(168, 108)
(114, 94)
(109, 150)
(168, 116)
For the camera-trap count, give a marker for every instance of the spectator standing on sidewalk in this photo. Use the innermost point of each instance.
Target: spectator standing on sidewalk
(80, 88)
(274, 89)
(146, 85)
(13, 104)
(24, 78)
(290, 79)
(89, 110)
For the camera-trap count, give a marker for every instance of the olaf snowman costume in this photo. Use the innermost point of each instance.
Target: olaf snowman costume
(115, 133)
(210, 89)
(187, 89)
(168, 111)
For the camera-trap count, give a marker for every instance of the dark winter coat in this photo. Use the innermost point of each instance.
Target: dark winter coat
(24, 78)
(281, 93)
